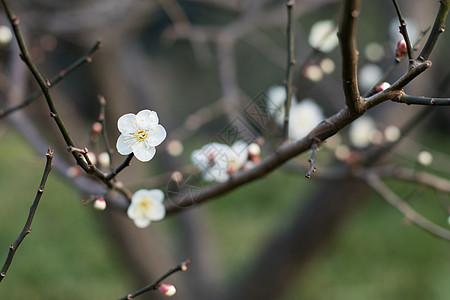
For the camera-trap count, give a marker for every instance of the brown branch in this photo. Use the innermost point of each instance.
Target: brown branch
(183, 266)
(407, 99)
(87, 58)
(27, 228)
(290, 67)
(438, 28)
(347, 37)
(383, 190)
(404, 32)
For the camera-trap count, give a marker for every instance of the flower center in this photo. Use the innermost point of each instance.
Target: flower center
(141, 135)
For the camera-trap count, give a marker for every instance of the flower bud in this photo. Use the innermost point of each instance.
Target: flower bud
(97, 128)
(382, 86)
(401, 50)
(103, 159)
(100, 204)
(167, 289)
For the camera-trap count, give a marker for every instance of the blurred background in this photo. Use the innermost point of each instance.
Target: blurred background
(200, 64)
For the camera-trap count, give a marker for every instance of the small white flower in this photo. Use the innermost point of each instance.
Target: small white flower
(146, 206)
(5, 35)
(361, 131)
(323, 36)
(303, 117)
(140, 134)
(217, 161)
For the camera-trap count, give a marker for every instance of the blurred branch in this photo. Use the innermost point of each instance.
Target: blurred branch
(27, 228)
(347, 37)
(183, 266)
(290, 66)
(438, 28)
(87, 58)
(383, 190)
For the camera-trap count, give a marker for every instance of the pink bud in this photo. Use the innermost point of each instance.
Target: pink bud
(97, 128)
(167, 289)
(401, 50)
(382, 86)
(100, 204)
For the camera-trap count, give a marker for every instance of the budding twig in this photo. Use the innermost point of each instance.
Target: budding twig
(27, 228)
(404, 32)
(312, 161)
(183, 266)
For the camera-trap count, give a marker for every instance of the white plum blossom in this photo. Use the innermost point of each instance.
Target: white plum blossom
(361, 130)
(140, 134)
(303, 117)
(217, 161)
(323, 36)
(146, 206)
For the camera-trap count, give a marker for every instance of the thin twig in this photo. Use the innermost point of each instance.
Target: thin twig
(27, 228)
(438, 28)
(125, 164)
(383, 190)
(404, 32)
(154, 285)
(312, 161)
(87, 58)
(290, 67)
(407, 99)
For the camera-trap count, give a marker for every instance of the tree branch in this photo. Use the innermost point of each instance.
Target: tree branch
(383, 190)
(27, 228)
(289, 68)
(438, 28)
(347, 37)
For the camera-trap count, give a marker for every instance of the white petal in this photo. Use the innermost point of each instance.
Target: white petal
(147, 119)
(157, 136)
(141, 222)
(156, 195)
(142, 152)
(126, 123)
(158, 212)
(122, 147)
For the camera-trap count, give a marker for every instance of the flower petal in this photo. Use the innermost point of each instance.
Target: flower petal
(156, 195)
(127, 123)
(158, 212)
(141, 222)
(123, 147)
(142, 152)
(157, 136)
(147, 119)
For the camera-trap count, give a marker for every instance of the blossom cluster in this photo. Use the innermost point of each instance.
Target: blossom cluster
(218, 161)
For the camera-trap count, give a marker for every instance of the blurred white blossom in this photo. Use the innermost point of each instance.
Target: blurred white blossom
(140, 134)
(361, 130)
(5, 35)
(425, 158)
(217, 161)
(369, 75)
(303, 117)
(146, 206)
(323, 36)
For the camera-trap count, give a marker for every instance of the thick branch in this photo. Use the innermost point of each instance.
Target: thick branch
(347, 37)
